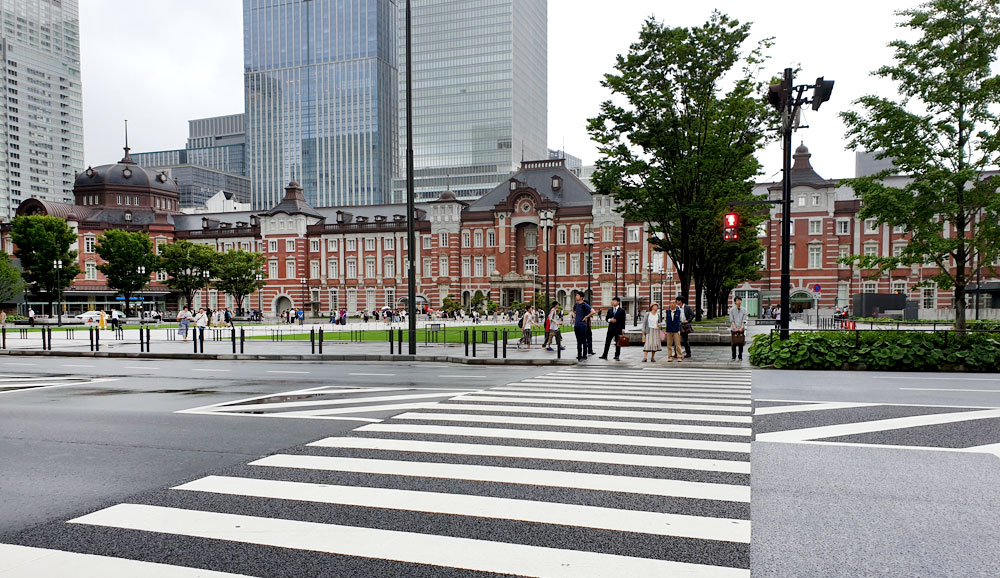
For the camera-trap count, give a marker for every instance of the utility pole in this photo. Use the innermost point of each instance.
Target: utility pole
(411, 236)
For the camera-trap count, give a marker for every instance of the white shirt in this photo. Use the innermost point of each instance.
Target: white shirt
(652, 320)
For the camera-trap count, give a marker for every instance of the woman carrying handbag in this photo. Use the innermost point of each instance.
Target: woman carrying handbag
(651, 333)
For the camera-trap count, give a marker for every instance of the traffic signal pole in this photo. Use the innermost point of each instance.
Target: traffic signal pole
(786, 206)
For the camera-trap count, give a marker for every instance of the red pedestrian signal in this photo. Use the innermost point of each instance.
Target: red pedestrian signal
(730, 227)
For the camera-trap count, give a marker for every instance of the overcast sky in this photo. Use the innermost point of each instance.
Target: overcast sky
(176, 60)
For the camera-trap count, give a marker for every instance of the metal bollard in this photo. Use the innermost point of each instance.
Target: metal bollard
(201, 339)
(242, 339)
(147, 339)
(494, 344)
(97, 339)
(194, 339)
(312, 340)
(392, 340)
(142, 342)
(321, 341)
(466, 342)
(399, 343)
(3, 330)
(473, 343)
(44, 346)
(232, 335)
(505, 344)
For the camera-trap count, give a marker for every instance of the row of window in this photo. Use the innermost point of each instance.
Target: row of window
(843, 227)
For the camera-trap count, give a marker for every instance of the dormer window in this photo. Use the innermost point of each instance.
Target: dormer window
(556, 183)
(127, 173)
(513, 185)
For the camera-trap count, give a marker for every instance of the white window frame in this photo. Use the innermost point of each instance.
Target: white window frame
(290, 268)
(289, 245)
(390, 267)
(352, 245)
(369, 243)
(389, 243)
(491, 265)
(491, 239)
(331, 244)
(89, 244)
(477, 238)
(272, 246)
(371, 268)
(314, 245)
(333, 268)
(90, 271)
(871, 226)
(815, 226)
(815, 256)
(442, 239)
(477, 267)
(843, 226)
(351, 268)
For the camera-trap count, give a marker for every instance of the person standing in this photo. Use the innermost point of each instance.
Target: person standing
(737, 327)
(183, 322)
(616, 325)
(227, 317)
(554, 332)
(3, 319)
(651, 333)
(527, 320)
(200, 323)
(582, 312)
(672, 324)
(687, 324)
(31, 317)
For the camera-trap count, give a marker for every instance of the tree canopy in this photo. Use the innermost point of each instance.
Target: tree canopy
(39, 241)
(236, 274)
(942, 133)
(186, 264)
(681, 145)
(128, 261)
(11, 283)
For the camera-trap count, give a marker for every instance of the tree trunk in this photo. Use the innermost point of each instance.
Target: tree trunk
(697, 301)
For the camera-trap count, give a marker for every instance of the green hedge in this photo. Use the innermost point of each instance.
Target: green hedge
(878, 350)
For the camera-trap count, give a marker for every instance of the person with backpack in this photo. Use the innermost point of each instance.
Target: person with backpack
(582, 312)
(552, 328)
(227, 317)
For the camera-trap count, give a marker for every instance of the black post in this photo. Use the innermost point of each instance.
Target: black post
(43, 339)
(786, 205)
(142, 342)
(321, 341)
(505, 344)
(312, 340)
(147, 339)
(399, 344)
(232, 331)
(3, 330)
(495, 344)
(466, 338)
(97, 339)
(242, 339)
(411, 237)
(194, 339)
(473, 343)
(392, 345)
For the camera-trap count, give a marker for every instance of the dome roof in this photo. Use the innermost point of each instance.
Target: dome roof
(125, 173)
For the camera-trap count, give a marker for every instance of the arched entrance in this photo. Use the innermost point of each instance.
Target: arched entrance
(282, 303)
(800, 301)
(561, 297)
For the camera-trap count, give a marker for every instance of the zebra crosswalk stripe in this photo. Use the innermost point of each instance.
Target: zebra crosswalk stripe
(579, 423)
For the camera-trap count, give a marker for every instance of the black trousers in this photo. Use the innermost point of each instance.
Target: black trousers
(590, 340)
(607, 345)
(685, 344)
(580, 331)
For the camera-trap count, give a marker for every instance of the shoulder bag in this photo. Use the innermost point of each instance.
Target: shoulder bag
(622, 340)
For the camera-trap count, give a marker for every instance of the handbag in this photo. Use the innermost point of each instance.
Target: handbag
(687, 327)
(622, 340)
(663, 336)
(738, 338)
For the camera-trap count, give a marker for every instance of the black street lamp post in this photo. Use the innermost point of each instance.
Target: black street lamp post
(58, 264)
(260, 297)
(546, 222)
(617, 253)
(141, 270)
(588, 240)
(635, 306)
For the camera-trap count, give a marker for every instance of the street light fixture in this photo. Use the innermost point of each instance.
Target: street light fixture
(635, 306)
(617, 252)
(546, 222)
(260, 297)
(141, 270)
(58, 264)
(588, 240)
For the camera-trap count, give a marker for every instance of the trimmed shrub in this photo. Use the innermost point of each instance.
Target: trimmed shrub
(878, 350)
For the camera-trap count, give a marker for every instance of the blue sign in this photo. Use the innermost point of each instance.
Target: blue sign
(120, 298)
(816, 288)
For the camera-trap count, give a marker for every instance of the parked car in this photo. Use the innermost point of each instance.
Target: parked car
(94, 317)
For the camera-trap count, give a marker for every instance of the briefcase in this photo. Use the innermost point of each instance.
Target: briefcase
(738, 338)
(623, 340)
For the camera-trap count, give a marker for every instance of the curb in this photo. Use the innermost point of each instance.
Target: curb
(276, 357)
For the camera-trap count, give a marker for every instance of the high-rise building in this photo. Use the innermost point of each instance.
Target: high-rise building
(480, 93)
(320, 86)
(41, 138)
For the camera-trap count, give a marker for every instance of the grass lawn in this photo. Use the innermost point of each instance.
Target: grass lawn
(445, 335)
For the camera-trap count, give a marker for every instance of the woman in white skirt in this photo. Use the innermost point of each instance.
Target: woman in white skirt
(651, 333)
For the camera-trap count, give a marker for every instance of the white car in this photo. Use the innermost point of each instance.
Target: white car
(94, 317)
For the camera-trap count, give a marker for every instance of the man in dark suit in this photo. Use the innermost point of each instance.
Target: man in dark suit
(687, 316)
(616, 324)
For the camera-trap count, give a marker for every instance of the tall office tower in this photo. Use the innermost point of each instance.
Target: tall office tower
(41, 142)
(320, 86)
(480, 93)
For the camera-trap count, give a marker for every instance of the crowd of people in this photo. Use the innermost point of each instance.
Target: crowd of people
(221, 317)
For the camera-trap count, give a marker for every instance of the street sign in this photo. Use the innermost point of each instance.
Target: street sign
(816, 288)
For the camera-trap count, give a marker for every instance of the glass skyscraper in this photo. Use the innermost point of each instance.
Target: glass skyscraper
(480, 93)
(41, 140)
(320, 85)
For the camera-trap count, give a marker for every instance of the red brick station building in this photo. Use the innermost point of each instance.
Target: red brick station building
(328, 258)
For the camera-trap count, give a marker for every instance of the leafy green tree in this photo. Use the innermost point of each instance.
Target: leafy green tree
(450, 305)
(942, 133)
(11, 283)
(477, 300)
(39, 241)
(683, 140)
(185, 264)
(128, 261)
(236, 274)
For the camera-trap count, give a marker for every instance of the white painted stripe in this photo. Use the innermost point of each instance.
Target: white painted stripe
(211, 370)
(496, 474)
(621, 397)
(600, 403)
(141, 367)
(884, 446)
(16, 363)
(614, 391)
(814, 433)
(809, 407)
(25, 562)
(949, 389)
(73, 365)
(357, 409)
(988, 449)
(620, 386)
(655, 381)
(374, 374)
(533, 453)
(651, 371)
(557, 436)
(465, 376)
(244, 405)
(889, 404)
(581, 423)
(279, 371)
(25, 378)
(34, 386)
(448, 406)
(445, 551)
(660, 524)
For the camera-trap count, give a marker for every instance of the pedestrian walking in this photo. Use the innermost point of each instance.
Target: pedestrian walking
(672, 327)
(183, 322)
(651, 333)
(227, 317)
(554, 324)
(200, 322)
(582, 312)
(616, 325)
(737, 327)
(687, 324)
(31, 317)
(527, 320)
(3, 319)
